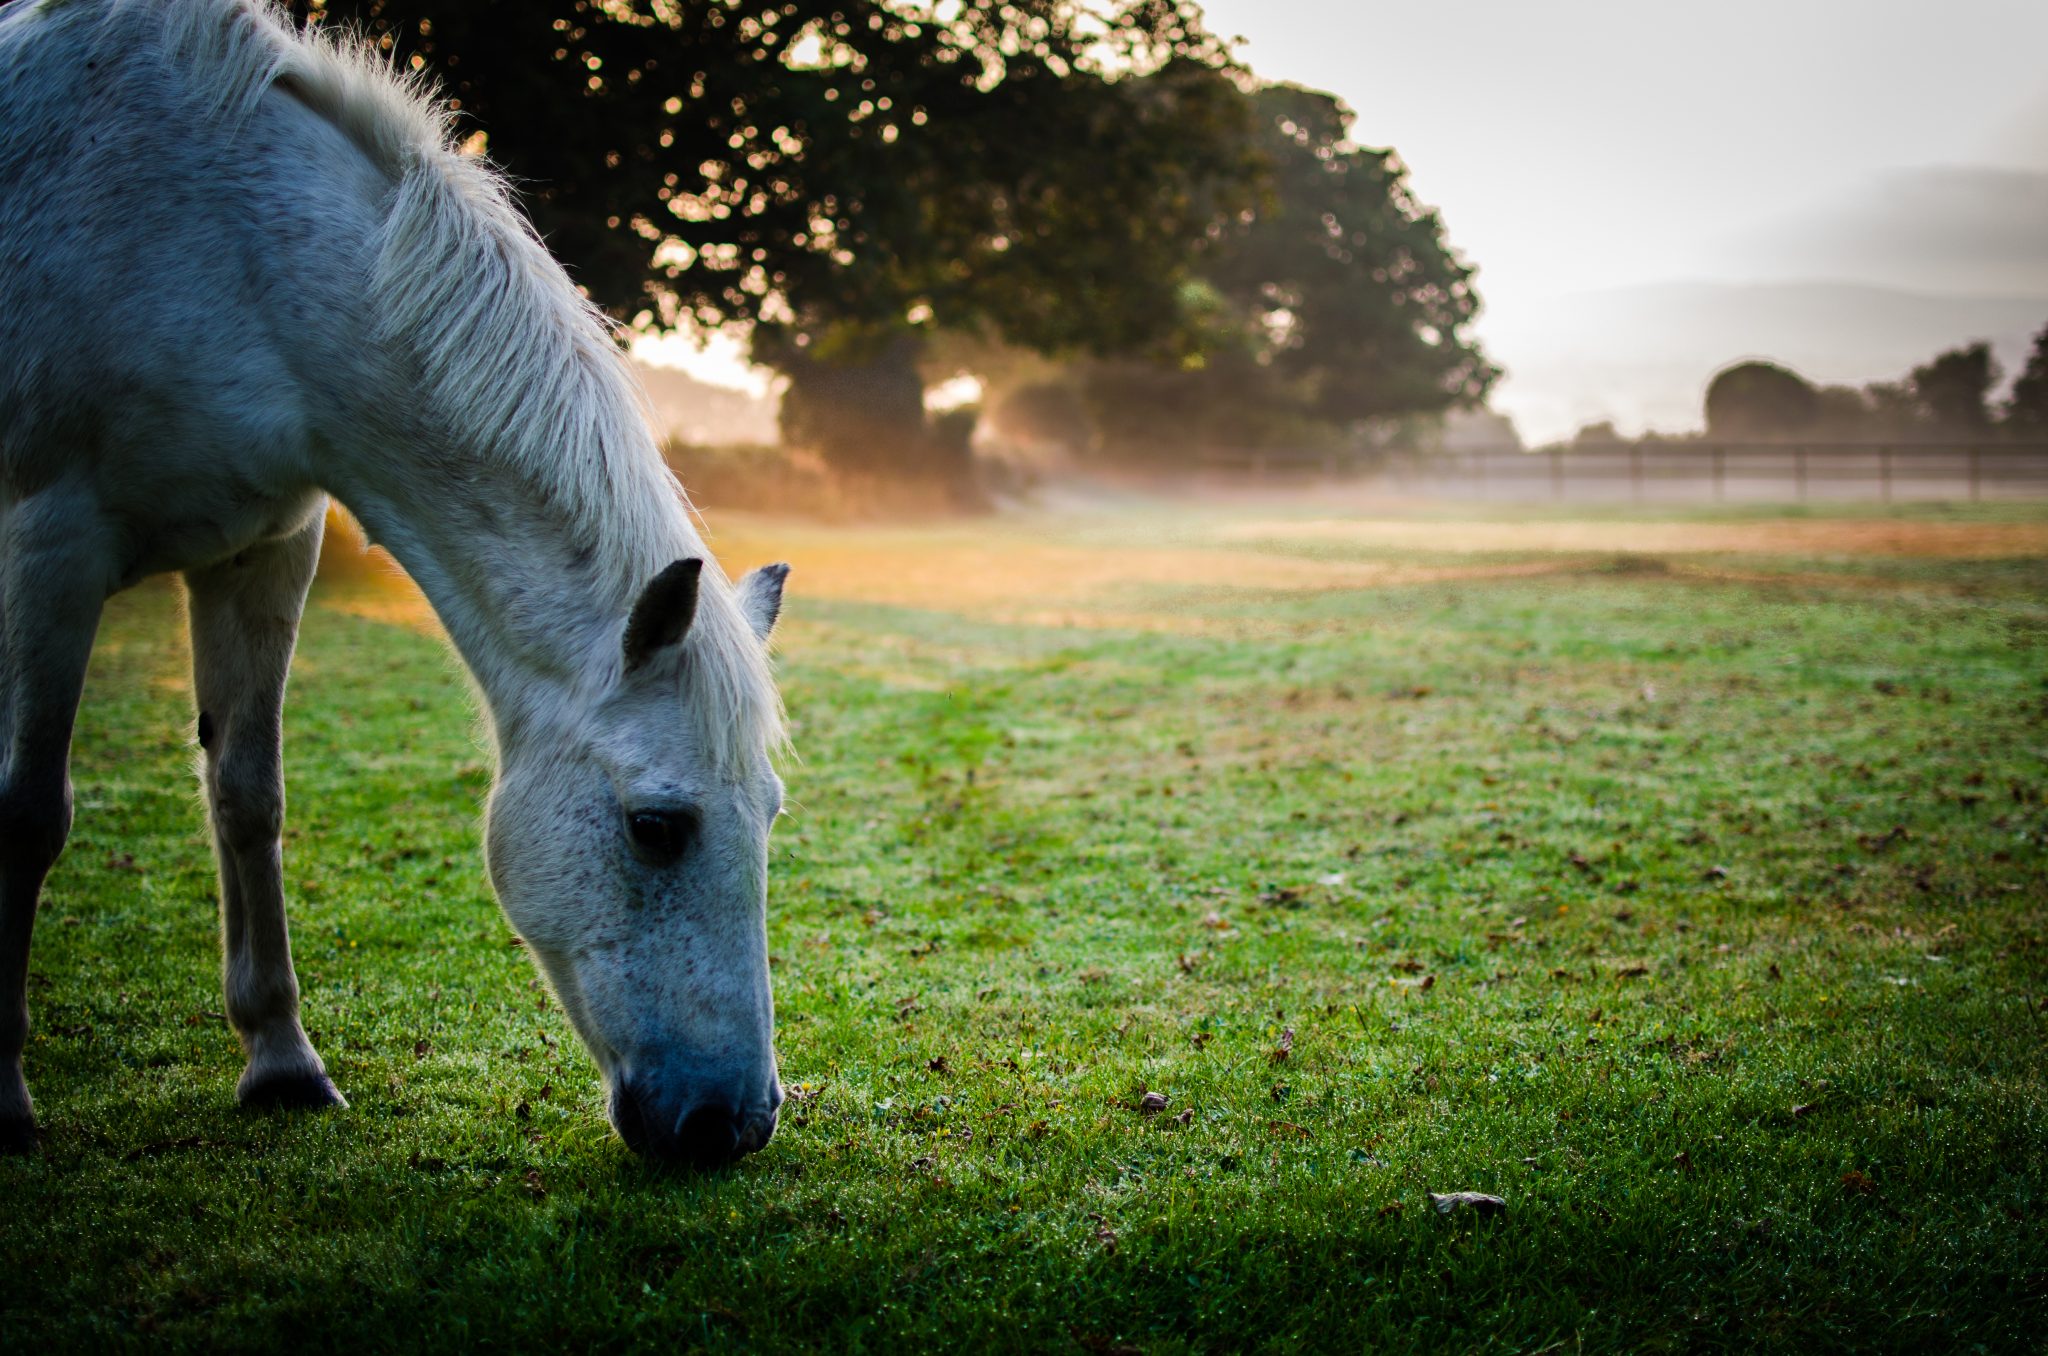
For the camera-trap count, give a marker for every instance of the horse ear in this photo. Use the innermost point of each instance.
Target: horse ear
(760, 597)
(666, 607)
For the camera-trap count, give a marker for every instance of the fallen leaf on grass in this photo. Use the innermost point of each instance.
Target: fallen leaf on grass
(1478, 1202)
(1187, 1115)
(938, 1065)
(1858, 1183)
(535, 1187)
(1286, 1047)
(1289, 1129)
(1804, 1109)
(1409, 967)
(1152, 1103)
(1636, 971)
(1392, 1208)
(1682, 1161)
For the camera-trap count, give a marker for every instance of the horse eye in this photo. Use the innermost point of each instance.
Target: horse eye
(661, 835)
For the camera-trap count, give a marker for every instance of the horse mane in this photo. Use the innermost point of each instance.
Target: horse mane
(509, 357)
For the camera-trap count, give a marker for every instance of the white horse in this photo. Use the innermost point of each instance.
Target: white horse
(241, 269)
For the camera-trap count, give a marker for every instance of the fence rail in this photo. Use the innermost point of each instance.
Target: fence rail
(1681, 472)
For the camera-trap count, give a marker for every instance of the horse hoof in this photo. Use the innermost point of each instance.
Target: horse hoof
(18, 1137)
(291, 1092)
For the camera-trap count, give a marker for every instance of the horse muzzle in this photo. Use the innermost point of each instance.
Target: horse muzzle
(705, 1131)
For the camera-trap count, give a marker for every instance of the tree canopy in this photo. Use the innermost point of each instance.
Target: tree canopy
(1753, 399)
(833, 166)
(2026, 408)
(1337, 300)
(1954, 390)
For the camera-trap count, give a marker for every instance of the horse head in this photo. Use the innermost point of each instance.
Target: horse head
(633, 859)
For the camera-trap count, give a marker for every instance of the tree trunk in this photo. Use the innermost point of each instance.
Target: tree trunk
(864, 414)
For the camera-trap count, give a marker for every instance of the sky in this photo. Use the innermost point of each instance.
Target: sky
(1654, 188)
(1630, 160)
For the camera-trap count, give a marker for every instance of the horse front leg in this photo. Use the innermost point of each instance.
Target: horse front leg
(245, 621)
(54, 569)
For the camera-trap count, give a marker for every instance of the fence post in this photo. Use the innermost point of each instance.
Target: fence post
(1720, 473)
(1635, 471)
(1974, 472)
(1884, 472)
(1799, 469)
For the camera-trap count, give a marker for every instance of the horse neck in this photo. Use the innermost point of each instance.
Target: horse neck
(533, 598)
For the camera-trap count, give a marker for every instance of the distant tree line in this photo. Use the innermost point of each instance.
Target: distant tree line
(1948, 397)
(1090, 202)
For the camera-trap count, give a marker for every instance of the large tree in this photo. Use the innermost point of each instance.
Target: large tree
(2026, 406)
(847, 174)
(1760, 400)
(1954, 389)
(1337, 301)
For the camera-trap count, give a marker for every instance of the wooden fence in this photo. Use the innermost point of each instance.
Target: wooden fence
(1678, 472)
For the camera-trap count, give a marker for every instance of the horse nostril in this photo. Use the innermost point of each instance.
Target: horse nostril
(709, 1136)
(629, 1119)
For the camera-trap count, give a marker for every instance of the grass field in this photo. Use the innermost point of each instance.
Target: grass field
(1680, 883)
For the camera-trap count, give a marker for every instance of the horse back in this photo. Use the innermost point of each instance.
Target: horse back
(179, 331)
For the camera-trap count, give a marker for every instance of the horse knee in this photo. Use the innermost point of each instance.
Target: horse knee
(34, 822)
(248, 810)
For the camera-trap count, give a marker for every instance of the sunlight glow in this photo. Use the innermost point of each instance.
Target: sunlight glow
(717, 357)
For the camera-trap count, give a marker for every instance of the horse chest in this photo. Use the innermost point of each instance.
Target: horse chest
(196, 530)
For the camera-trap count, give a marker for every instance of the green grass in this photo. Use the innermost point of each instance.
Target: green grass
(1703, 921)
